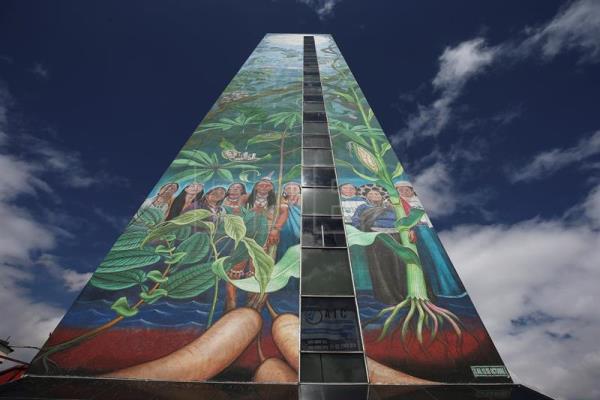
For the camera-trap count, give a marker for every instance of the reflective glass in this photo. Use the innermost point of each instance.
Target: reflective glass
(317, 157)
(315, 141)
(319, 176)
(326, 272)
(323, 232)
(336, 368)
(321, 201)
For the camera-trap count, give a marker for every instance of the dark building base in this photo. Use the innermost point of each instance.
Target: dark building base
(32, 387)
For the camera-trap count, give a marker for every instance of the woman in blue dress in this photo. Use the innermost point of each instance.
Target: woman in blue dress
(440, 274)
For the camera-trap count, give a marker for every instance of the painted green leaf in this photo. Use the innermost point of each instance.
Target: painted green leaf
(345, 96)
(385, 147)
(234, 227)
(186, 162)
(265, 137)
(129, 240)
(196, 155)
(293, 173)
(354, 237)
(117, 261)
(398, 171)
(188, 218)
(226, 144)
(152, 297)
(149, 216)
(403, 252)
(175, 258)
(287, 267)
(156, 276)
(190, 282)
(183, 232)
(118, 280)
(196, 247)
(263, 263)
(121, 307)
(161, 249)
(413, 219)
(244, 175)
(225, 174)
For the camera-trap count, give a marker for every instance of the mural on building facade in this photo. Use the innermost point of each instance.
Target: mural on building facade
(203, 283)
(418, 322)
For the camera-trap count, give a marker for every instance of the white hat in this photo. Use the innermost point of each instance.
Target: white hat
(403, 183)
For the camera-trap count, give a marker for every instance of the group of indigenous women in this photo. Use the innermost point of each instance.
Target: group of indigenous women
(276, 224)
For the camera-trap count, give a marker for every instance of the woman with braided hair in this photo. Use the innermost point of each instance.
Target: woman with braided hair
(387, 271)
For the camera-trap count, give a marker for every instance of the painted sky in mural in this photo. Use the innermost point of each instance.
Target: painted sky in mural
(203, 283)
(416, 315)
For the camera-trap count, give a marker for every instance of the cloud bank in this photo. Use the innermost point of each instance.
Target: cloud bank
(575, 27)
(535, 285)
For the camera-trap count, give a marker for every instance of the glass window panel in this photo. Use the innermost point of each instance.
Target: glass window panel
(345, 392)
(314, 106)
(320, 201)
(317, 157)
(315, 128)
(315, 141)
(326, 272)
(314, 117)
(323, 232)
(329, 324)
(313, 91)
(308, 97)
(310, 368)
(318, 176)
(335, 368)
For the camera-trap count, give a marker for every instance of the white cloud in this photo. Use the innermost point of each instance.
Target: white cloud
(457, 66)
(460, 63)
(548, 162)
(576, 26)
(25, 236)
(435, 189)
(535, 285)
(323, 8)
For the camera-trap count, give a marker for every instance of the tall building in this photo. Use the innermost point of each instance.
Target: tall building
(285, 244)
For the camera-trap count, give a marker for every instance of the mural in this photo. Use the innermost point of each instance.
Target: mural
(419, 325)
(203, 283)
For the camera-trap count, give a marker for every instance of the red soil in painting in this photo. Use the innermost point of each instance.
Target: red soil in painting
(121, 348)
(447, 354)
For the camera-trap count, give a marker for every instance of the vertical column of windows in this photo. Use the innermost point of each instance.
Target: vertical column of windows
(330, 342)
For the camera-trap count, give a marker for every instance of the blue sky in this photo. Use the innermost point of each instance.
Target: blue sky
(492, 108)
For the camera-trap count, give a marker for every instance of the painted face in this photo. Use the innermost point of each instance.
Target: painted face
(348, 190)
(235, 189)
(292, 190)
(194, 188)
(170, 188)
(215, 196)
(264, 187)
(374, 197)
(405, 191)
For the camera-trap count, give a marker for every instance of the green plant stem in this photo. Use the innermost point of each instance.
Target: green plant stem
(415, 278)
(213, 306)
